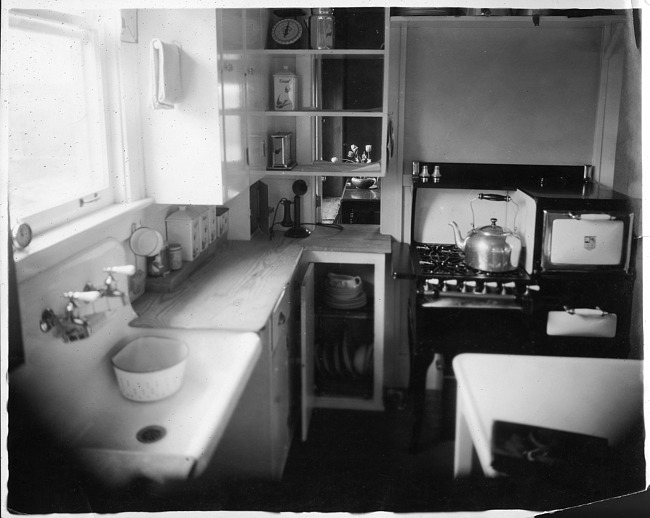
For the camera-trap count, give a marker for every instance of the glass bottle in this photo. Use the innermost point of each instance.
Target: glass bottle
(322, 29)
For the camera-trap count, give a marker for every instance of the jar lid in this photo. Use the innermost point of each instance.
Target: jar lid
(173, 247)
(321, 10)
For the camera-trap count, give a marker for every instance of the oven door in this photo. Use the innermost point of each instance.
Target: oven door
(586, 241)
(585, 316)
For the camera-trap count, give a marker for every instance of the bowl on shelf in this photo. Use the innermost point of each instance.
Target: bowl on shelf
(363, 183)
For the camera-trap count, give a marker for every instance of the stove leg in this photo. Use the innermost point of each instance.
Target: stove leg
(420, 362)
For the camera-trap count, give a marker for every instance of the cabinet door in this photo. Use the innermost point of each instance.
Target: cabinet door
(280, 394)
(232, 68)
(307, 347)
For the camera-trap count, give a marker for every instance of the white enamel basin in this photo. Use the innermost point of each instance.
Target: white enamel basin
(76, 396)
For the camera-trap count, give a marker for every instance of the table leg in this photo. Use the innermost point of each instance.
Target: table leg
(463, 446)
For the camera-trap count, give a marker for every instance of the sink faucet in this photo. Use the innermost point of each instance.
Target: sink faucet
(110, 284)
(70, 325)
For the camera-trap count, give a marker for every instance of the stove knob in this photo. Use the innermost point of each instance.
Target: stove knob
(432, 283)
(508, 287)
(450, 285)
(492, 287)
(469, 286)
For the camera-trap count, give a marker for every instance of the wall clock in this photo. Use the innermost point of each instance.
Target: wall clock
(21, 235)
(287, 29)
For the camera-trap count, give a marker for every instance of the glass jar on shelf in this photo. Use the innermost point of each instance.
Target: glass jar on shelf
(322, 29)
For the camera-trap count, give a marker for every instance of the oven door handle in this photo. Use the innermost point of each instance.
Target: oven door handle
(493, 197)
(586, 312)
(591, 217)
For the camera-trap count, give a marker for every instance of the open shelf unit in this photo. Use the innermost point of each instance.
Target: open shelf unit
(334, 106)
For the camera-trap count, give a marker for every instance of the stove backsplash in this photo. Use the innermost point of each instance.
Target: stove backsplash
(435, 209)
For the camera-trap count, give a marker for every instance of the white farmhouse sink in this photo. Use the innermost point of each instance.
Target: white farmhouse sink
(72, 391)
(118, 439)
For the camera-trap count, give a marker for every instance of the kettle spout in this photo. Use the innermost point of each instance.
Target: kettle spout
(460, 242)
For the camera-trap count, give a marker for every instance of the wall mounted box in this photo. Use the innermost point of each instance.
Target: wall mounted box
(184, 228)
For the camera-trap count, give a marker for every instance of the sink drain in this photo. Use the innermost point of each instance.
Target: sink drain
(150, 434)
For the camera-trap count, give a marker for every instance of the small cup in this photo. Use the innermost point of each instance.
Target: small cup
(344, 281)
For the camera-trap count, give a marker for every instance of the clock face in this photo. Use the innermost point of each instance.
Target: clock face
(286, 31)
(21, 235)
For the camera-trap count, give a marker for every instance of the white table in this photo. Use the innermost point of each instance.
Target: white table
(594, 396)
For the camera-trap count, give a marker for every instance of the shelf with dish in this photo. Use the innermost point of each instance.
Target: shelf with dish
(342, 331)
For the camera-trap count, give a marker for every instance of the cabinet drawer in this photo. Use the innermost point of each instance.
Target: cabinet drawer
(280, 319)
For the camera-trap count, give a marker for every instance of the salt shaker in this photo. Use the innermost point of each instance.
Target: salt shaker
(415, 172)
(436, 174)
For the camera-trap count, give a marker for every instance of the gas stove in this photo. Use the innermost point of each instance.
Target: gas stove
(455, 309)
(444, 280)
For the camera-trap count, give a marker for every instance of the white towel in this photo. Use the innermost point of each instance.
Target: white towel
(166, 85)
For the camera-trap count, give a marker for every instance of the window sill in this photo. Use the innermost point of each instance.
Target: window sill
(51, 247)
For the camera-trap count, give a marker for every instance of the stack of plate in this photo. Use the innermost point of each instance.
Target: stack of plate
(339, 360)
(344, 292)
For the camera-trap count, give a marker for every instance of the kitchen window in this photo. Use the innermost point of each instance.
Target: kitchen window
(61, 126)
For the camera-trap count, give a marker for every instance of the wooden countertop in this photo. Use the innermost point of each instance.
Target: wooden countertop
(239, 286)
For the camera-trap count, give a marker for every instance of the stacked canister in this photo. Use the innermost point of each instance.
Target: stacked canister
(194, 228)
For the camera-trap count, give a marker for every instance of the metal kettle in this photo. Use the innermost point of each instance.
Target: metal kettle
(490, 248)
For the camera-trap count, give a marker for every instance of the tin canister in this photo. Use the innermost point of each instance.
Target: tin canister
(184, 228)
(285, 88)
(175, 256)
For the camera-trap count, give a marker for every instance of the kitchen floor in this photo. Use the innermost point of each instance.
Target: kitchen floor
(352, 461)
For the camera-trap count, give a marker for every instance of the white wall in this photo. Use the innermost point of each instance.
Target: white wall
(501, 95)
(182, 158)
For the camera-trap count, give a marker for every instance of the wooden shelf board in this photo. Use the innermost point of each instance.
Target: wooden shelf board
(321, 113)
(329, 53)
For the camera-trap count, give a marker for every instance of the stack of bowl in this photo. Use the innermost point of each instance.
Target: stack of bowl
(344, 292)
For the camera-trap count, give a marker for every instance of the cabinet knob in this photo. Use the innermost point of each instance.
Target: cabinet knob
(228, 67)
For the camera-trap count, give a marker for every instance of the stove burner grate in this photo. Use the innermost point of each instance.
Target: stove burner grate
(448, 261)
